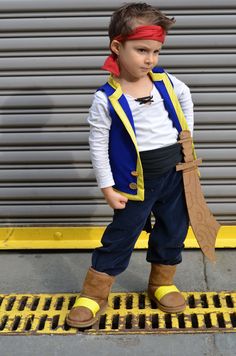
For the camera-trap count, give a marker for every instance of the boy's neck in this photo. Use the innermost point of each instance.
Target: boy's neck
(139, 88)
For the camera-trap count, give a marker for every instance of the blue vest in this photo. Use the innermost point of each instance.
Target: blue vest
(123, 149)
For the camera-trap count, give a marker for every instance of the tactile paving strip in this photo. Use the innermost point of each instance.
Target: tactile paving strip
(127, 313)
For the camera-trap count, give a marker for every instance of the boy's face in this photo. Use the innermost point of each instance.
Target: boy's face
(136, 57)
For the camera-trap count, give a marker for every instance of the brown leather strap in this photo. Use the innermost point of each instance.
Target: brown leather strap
(204, 225)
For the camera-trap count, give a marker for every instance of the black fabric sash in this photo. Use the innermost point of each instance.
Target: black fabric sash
(160, 160)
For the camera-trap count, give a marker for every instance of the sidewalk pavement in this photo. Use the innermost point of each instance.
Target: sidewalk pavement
(63, 272)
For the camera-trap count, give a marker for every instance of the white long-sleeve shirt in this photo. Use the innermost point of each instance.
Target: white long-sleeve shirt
(154, 128)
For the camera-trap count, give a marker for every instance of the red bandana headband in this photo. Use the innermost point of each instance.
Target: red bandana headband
(156, 33)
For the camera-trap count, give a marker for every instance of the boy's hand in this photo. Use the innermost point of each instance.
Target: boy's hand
(114, 199)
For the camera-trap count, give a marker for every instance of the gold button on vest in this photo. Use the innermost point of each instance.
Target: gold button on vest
(134, 173)
(133, 186)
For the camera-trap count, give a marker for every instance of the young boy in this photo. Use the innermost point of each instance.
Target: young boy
(135, 120)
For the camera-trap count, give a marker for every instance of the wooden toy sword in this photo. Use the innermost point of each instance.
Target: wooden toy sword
(204, 225)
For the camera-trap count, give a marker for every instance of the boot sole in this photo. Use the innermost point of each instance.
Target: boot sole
(87, 323)
(177, 309)
(164, 308)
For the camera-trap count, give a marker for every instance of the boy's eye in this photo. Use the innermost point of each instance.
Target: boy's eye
(141, 49)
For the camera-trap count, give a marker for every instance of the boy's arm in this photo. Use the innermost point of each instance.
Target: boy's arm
(100, 123)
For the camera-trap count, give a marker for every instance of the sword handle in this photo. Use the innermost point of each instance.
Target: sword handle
(187, 149)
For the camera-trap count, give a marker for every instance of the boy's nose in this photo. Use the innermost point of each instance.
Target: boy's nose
(149, 59)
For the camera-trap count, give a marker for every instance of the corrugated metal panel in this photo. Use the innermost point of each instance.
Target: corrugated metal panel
(50, 55)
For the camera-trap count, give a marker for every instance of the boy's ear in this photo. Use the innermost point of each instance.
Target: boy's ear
(115, 46)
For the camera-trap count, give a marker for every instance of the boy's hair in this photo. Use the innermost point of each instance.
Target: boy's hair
(127, 17)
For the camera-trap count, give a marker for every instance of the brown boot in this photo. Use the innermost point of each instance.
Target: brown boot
(162, 291)
(92, 301)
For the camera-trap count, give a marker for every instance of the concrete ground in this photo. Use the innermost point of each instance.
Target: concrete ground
(63, 271)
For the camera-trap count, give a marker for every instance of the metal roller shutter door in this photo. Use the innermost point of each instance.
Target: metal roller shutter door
(50, 55)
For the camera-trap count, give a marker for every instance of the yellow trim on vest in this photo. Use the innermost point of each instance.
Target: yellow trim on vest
(164, 77)
(87, 303)
(160, 292)
(120, 112)
(157, 76)
(176, 103)
(113, 82)
(178, 109)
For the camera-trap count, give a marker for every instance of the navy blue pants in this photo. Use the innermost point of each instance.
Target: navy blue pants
(164, 197)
